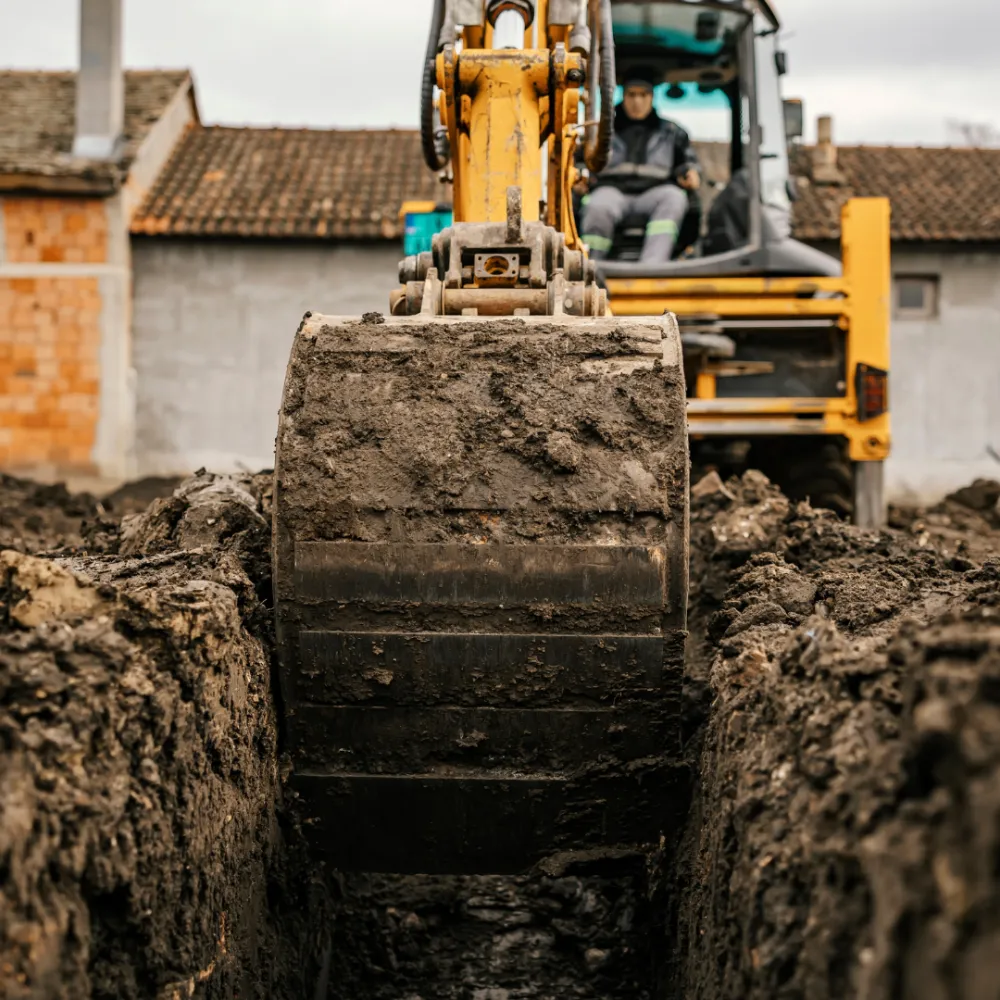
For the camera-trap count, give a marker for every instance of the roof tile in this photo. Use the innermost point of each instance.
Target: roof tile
(938, 195)
(349, 185)
(37, 122)
(288, 184)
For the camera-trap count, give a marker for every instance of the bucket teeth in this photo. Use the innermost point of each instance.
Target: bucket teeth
(481, 580)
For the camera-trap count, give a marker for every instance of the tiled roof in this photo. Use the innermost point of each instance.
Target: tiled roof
(938, 195)
(349, 185)
(288, 183)
(37, 119)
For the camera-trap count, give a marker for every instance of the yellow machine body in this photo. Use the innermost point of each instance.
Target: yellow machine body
(497, 105)
(512, 118)
(858, 303)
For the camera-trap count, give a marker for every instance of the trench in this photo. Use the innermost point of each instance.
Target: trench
(842, 734)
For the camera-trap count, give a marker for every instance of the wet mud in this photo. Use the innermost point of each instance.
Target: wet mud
(841, 723)
(480, 579)
(141, 853)
(843, 839)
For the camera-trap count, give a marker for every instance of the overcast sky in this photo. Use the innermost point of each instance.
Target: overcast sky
(890, 71)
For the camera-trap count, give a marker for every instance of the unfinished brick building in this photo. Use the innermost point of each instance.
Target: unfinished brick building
(77, 154)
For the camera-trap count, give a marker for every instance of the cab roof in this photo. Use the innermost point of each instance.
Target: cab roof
(763, 7)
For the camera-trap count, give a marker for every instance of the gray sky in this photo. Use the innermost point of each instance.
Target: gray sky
(888, 70)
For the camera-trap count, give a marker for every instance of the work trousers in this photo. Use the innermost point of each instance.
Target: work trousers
(664, 206)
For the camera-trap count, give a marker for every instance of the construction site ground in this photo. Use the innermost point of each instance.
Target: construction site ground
(842, 739)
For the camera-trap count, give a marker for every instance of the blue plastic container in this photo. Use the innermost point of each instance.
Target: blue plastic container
(420, 230)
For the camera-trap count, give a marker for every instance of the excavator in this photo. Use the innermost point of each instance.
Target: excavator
(481, 505)
(786, 348)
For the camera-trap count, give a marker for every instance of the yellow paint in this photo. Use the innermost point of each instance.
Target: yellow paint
(496, 106)
(705, 387)
(748, 307)
(723, 287)
(499, 137)
(867, 271)
(416, 208)
(860, 307)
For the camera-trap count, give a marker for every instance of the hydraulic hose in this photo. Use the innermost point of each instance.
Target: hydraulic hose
(428, 138)
(598, 148)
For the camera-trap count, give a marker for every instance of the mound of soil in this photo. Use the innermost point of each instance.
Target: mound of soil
(139, 785)
(845, 836)
(38, 518)
(966, 523)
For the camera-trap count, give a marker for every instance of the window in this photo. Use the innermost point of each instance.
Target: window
(916, 297)
(771, 116)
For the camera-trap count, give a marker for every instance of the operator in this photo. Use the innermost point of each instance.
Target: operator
(652, 167)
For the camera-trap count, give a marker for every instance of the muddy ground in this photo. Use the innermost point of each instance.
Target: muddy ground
(845, 836)
(842, 729)
(141, 851)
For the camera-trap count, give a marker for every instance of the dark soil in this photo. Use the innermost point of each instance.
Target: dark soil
(36, 517)
(141, 853)
(965, 523)
(842, 714)
(494, 938)
(845, 835)
(39, 518)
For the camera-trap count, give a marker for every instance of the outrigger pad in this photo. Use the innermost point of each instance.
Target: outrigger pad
(480, 567)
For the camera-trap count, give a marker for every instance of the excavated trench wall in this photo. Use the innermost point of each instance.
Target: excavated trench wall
(844, 839)
(141, 849)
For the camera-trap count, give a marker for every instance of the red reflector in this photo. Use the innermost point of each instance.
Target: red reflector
(872, 385)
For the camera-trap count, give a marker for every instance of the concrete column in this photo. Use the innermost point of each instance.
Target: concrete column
(114, 445)
(100, 86)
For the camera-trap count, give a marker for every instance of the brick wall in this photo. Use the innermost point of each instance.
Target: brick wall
(50, 332)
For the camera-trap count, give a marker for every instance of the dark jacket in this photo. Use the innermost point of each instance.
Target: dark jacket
(646, 154)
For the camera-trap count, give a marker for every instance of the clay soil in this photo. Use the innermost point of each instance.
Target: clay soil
(842, 734)
(141, 849)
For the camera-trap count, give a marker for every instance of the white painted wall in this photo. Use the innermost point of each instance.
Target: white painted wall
(945, 389)
(213, 323)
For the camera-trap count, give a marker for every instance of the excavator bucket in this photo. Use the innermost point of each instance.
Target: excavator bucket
(480, 531)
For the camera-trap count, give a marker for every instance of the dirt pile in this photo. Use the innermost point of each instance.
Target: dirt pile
(965, 523)
(138, 754)
(842, 714)
(39, 518)
(845, 837)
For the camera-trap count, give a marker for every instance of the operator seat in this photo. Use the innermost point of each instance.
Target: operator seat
(729, 216)
(631, 233)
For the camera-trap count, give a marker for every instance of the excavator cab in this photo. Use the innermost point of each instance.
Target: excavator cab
(786, 348)
(718, 68)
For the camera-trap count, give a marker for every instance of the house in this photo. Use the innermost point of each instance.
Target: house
(153, 272)
(945, 383)
(78, 153)
(243, 232)
(245, 229)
